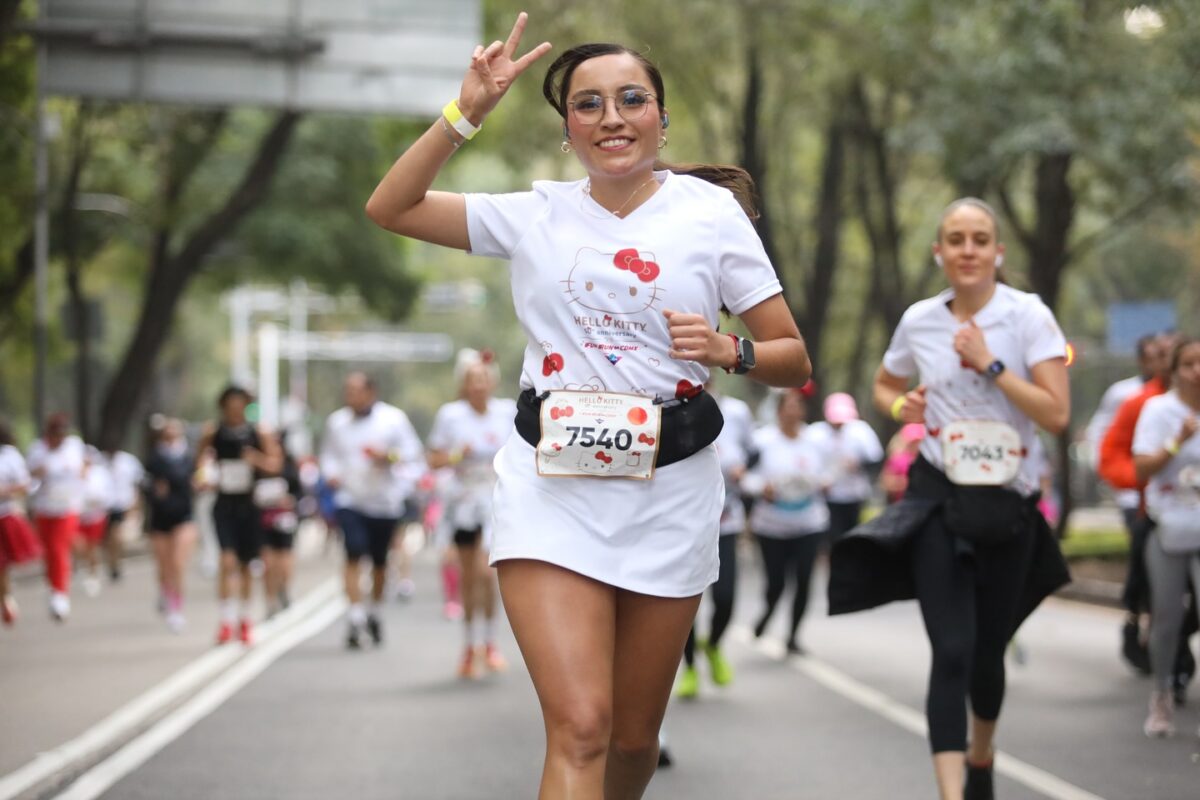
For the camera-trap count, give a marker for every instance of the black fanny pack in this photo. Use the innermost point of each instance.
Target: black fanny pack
(688, 426)
(983, 515)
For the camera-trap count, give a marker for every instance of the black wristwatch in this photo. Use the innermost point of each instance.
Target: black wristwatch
(745, 355)
(995, 368)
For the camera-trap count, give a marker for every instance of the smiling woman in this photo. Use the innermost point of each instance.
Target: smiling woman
(609, 492)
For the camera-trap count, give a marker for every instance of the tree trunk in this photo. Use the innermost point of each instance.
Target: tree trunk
(754, 154)
(827, 223)
(80, 151)
(170, 275)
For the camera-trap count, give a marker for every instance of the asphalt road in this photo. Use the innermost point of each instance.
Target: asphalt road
(321, 722)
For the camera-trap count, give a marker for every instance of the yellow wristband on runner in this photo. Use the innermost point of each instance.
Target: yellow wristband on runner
(1172, 447)
(454, 116)
(898, 404)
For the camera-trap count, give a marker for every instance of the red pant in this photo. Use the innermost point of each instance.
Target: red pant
(93, 532)
(57, 535)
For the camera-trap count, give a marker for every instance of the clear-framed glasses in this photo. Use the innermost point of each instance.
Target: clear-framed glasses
(631, 104)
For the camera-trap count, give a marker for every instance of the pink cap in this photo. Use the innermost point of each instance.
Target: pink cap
(913, 432)
(840, 407)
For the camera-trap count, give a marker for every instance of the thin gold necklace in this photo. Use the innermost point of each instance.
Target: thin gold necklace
(588, 191)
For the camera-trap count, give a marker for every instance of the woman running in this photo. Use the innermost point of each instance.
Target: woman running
(989, 363)
(853, 448)
(1166, 452)
(735, 447)
(609, 495)
(93, 518)
(242, 453)
(18, 543)
(58, 463)
(466, 436)
(791, 475)
(172, 531)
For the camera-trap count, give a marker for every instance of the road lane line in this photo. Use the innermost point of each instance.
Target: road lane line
(133, 715)
(913, 721)
(104, 775)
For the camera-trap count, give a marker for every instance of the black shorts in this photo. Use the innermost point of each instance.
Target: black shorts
(468, 537)
(365, 535)
(239, 528)
(279, 529)
(165, 519)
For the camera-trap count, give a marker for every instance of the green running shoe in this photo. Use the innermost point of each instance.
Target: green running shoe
(722, 673)
(689, 684)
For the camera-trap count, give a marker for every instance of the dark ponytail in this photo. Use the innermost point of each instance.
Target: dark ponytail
(558, 82)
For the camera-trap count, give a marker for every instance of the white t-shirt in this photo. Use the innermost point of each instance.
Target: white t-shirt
(59, 492)
(851, 447)
(798, 472)
(13, 475)
(1110, 403)
(1020, 331)
(1174, 493)
(97, 489)
(127, 474)
(734, 445)
(589, 288)
(366, 486)
(458, 426)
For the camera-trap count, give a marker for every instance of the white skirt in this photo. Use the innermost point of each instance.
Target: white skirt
(655, 537)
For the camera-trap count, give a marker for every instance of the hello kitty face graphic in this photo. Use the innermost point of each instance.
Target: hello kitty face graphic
(596, 462)
(625, 282)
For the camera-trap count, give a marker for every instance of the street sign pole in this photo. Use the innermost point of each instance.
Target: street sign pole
(41, 234)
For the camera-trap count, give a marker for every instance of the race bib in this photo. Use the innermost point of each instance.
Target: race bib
(234, 476)
(270, 492)
(979, 452)
(598, 435)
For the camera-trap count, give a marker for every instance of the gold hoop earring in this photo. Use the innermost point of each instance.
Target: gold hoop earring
(565, 146)
(662, 141)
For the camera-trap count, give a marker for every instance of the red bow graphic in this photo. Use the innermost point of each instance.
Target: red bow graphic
(555, 413)
(552, 363)
(685, 389)
(644, 439)
(603, 456)
(629, 259)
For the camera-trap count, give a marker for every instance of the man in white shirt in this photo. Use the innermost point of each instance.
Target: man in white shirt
(127, 474)
(368, 454)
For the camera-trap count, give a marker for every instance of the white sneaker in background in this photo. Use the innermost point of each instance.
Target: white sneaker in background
(60, 606)
(1161, 721)
(176, 622)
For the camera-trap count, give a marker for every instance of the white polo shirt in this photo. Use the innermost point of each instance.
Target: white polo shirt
(458, 427)
(851, 448)
(1020, 331)
(127, 474)
(366, 486)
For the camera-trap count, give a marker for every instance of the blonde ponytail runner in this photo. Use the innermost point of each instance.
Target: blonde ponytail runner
(468, 360)
(986, 208)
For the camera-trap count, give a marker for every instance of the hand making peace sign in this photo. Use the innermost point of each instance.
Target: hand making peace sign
(493, 71)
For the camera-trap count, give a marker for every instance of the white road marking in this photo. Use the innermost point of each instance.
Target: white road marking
(104, 775)
(134, 714)
(911, 720)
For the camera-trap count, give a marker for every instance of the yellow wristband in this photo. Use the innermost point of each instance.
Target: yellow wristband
(455, 457)
(454, 116)
(898, 404)
(1172, 447)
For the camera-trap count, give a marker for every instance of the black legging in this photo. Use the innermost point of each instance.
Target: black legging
(800, 552)
(722, 595)
(969, 606)
(843, 517)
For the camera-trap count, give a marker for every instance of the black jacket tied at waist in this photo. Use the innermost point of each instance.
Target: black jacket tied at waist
(870, 565)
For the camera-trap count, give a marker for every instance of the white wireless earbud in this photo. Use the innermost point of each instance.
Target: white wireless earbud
(999, 260)
(937, 259)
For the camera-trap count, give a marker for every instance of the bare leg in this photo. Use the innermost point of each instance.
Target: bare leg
(468, 559)
(565, 626)
(983, 733)
(951, 772)
(350, 579)
(161, 546)
(378, 583)
(228, 566)
(650, 634)
(183, 541)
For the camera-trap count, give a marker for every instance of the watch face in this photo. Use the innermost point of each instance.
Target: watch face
(745, 355)
(996, 367)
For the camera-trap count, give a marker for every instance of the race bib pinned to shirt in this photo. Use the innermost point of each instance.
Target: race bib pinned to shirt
(235, 476)
(978, 452)
(598, 435)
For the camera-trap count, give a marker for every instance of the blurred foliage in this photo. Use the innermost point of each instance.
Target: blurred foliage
(930, 99)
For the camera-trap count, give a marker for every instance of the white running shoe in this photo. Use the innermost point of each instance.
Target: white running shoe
(1161, 721)
(60, 606)
(91, 586)
(176, 622)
